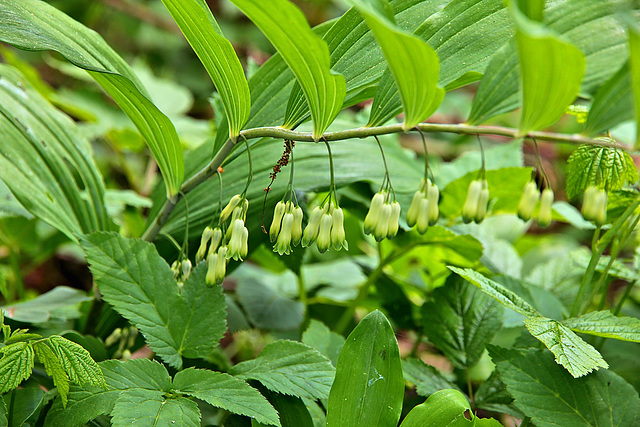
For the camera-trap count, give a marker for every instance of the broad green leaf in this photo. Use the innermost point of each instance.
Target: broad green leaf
(634, 60)
(289, 367)
(578, 357)
(226, 392)
(532, 9)
(139, 284)
(60, 302)
(22, 404)
(368, 389)
(590, 25)
(605, 324)
(460, 320)
(54, 368)
(426, 378)
(306, 54)
(497, 291)
(612, 103)
(16, 364)
(464, 42)
(448, 408)
(320, 337)
(413, 63)
(35, 25)
(492, 395)
(551, 397)
(138, 373)
(551, 71)
(45, 162)
(150, 408)
(603, 167)
(218, 57)
(292, 410)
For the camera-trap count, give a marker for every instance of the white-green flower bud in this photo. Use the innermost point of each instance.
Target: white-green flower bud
(296, 232)
(546, 202)
(311, 230)
(221, 265)
(233, 203)
(186, 269)
(324, 233)
(382, 226)
(337, 230)
(600, 207)
(394, 220)
(212, 260)
(433, 195)
(375, 209)
(483, 201)
(216, 239)
(204, 240)
(283, 244)
(175, 269)
(423, 217)
(528, 201)
(589, 211)
(236, 239)
(244, 249)
(414, 208)
(278, 213)
(470, 208)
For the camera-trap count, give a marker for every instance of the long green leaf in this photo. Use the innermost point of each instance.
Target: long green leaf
(612, 104)
(45, 162)
(465, 34)
(35, 25)
(306, 54)
(216, 53)
(368, 389)
(551, 71)
(590, 25)
(413, 63)
(139, 284)
(634, 58)
(605, 324)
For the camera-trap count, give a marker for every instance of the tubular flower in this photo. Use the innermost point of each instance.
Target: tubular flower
(296, 232)
(528, 202)
(433, 195)
(338, 237)
(311, 230)
(283, 243)
(221, 265)
(382, 226)
(277, 221)
(594, 205)
(546, 202)
(423, 210)
(212, 261)
(204, 241)
(237, 236)
(483, 200)
(324, 233)
(423, 219)
(470, 208)
(216, 239)
(186, 269)
(393, 226)
(414, 208)
(231, 206)
(371, 220)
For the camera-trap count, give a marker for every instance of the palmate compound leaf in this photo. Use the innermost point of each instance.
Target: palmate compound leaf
(606, 324)
(226, 392)
(218, 57)
(35, 25)
(552, 398)
(16, 364)
(413, 63)
(139, 284)
(600, 166)
(306, 54)
(289, 367)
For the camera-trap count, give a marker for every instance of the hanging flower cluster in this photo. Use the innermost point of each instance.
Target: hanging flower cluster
(529, 202)
(594, 205)
(286, 227)
(476, 203)
(326, 227)
(382, 220)
(423, 210)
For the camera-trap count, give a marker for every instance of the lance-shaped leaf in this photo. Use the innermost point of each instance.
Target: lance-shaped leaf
(413, 63)
(369, 388)
(306, 54)
(35, 25)
(634, 59)
(605, 324)
(612, 104)
(218, 57)
(551, 71)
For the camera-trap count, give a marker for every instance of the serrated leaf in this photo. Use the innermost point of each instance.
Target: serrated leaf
(292, 410)
(226, 392)
(603, 167)
(50, 171)
(320, 337)
(150, 408)
(461, 320)
(306, 54)
(605, 324)
(35, 25)
(16, 364)
(413, 63)
(140, 285)
(551, 71)
(590, 25)
(59, 302)
(218, 57)
(612, 103)
(578, 357)
(457, 31)
(368, 389)
(497, 291)
(76, 361)
(551, 397)
(426, 378)
(492, 395)
(448, 408)
(54, 368)
(290, 367)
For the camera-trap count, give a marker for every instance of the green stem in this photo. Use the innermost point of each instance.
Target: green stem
(624, 297)
(470, 389)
